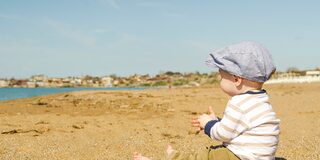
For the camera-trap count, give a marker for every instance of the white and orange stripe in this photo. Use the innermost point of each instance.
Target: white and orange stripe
(249, 127)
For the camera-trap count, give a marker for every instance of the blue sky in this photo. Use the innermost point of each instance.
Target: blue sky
(101, 37)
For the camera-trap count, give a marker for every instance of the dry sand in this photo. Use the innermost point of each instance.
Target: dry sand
(114, 124)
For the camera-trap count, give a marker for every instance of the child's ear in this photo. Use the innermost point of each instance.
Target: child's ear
(237, 80)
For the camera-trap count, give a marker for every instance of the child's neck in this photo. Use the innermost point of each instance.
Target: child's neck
(246, 88)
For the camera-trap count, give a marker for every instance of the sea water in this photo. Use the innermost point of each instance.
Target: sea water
(15, 93)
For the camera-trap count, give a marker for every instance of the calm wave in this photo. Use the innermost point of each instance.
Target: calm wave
(15, 93)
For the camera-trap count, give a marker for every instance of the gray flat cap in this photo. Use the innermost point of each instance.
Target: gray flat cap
(247, 59)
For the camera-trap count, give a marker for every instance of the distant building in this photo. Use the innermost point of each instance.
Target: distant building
(39, 78)
(116, 82)
(31, 84)
(106, 81)
(66, 80)
(37, 81)
(312, 73)
(76, 81)
(4, 83)
(304, 77)
(55, 82)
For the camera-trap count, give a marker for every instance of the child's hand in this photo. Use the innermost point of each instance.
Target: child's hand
(211, 114)
(202, 120)
(195, 123)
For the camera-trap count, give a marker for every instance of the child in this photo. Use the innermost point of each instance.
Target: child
(249, 128)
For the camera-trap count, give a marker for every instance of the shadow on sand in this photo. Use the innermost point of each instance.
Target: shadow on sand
(280, 158)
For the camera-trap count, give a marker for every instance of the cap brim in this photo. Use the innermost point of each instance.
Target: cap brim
(210, 62)
(213, 62)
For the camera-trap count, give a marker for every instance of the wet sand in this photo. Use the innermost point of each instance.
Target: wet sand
(114, 124)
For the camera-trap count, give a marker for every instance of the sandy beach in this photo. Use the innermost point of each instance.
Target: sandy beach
(114, 124)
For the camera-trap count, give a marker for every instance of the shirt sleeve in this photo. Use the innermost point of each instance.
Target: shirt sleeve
(231, 125)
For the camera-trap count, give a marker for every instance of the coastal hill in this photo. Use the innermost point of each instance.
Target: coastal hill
(114, 124)
(169, 79)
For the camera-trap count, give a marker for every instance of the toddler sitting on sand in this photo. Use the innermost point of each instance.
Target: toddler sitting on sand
(249, 128)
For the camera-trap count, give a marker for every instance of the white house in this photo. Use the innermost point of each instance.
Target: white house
(31, 84)
(312, 73)
(38, 78)
(3, 83)
(106, 81)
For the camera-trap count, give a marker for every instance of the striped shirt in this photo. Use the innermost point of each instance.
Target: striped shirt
(249, 127)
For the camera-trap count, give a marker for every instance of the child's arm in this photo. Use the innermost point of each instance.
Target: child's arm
(231, 125)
